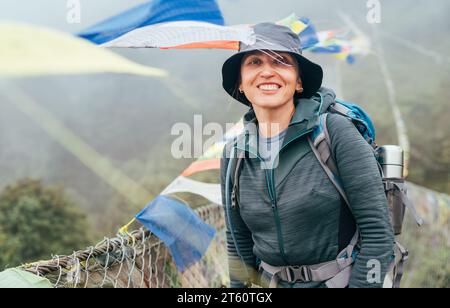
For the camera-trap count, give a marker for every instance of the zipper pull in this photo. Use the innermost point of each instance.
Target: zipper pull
(233, 197)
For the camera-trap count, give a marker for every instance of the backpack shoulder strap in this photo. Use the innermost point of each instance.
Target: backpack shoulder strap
(320, 143)
(229, 179)
(235, 173)
(339, 108)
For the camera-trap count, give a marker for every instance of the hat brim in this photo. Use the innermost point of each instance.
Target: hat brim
(311, 75)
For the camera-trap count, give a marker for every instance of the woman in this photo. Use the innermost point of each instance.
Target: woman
(290, 223)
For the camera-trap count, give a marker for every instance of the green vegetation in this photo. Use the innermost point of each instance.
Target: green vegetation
(38, 221)
(428, 265)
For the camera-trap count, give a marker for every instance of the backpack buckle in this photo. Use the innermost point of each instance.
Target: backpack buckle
(298, 273)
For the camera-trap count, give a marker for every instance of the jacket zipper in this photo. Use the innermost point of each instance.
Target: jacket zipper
(270, 181)
(274, 201)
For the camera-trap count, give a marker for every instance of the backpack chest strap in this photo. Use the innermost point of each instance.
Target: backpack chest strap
(306, 273)
(336, 273)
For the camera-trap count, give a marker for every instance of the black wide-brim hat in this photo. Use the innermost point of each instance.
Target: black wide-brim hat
(270, 36)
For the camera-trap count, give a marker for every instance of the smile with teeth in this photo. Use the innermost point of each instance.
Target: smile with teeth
(269, 87)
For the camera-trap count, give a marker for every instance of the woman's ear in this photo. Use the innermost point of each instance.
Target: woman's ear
(239, 83)
(299, 86)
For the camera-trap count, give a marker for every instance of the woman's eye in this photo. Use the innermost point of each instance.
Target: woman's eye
(254, 61)
(281, 61)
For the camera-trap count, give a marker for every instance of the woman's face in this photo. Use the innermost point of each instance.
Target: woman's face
(268, 79)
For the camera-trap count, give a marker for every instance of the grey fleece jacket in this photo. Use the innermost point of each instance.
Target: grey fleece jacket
(293, 215)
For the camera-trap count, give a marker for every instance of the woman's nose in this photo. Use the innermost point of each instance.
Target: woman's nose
(267, 71)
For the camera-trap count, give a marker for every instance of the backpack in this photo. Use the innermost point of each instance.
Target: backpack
(395, 187)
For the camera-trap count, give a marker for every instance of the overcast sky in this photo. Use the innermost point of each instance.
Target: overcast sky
(53, 13)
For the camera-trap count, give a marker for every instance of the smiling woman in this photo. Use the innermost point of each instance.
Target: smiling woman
(287, 225)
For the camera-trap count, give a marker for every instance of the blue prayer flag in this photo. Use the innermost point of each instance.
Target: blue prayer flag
(154, 12)
(308, 37)
(185, 234)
